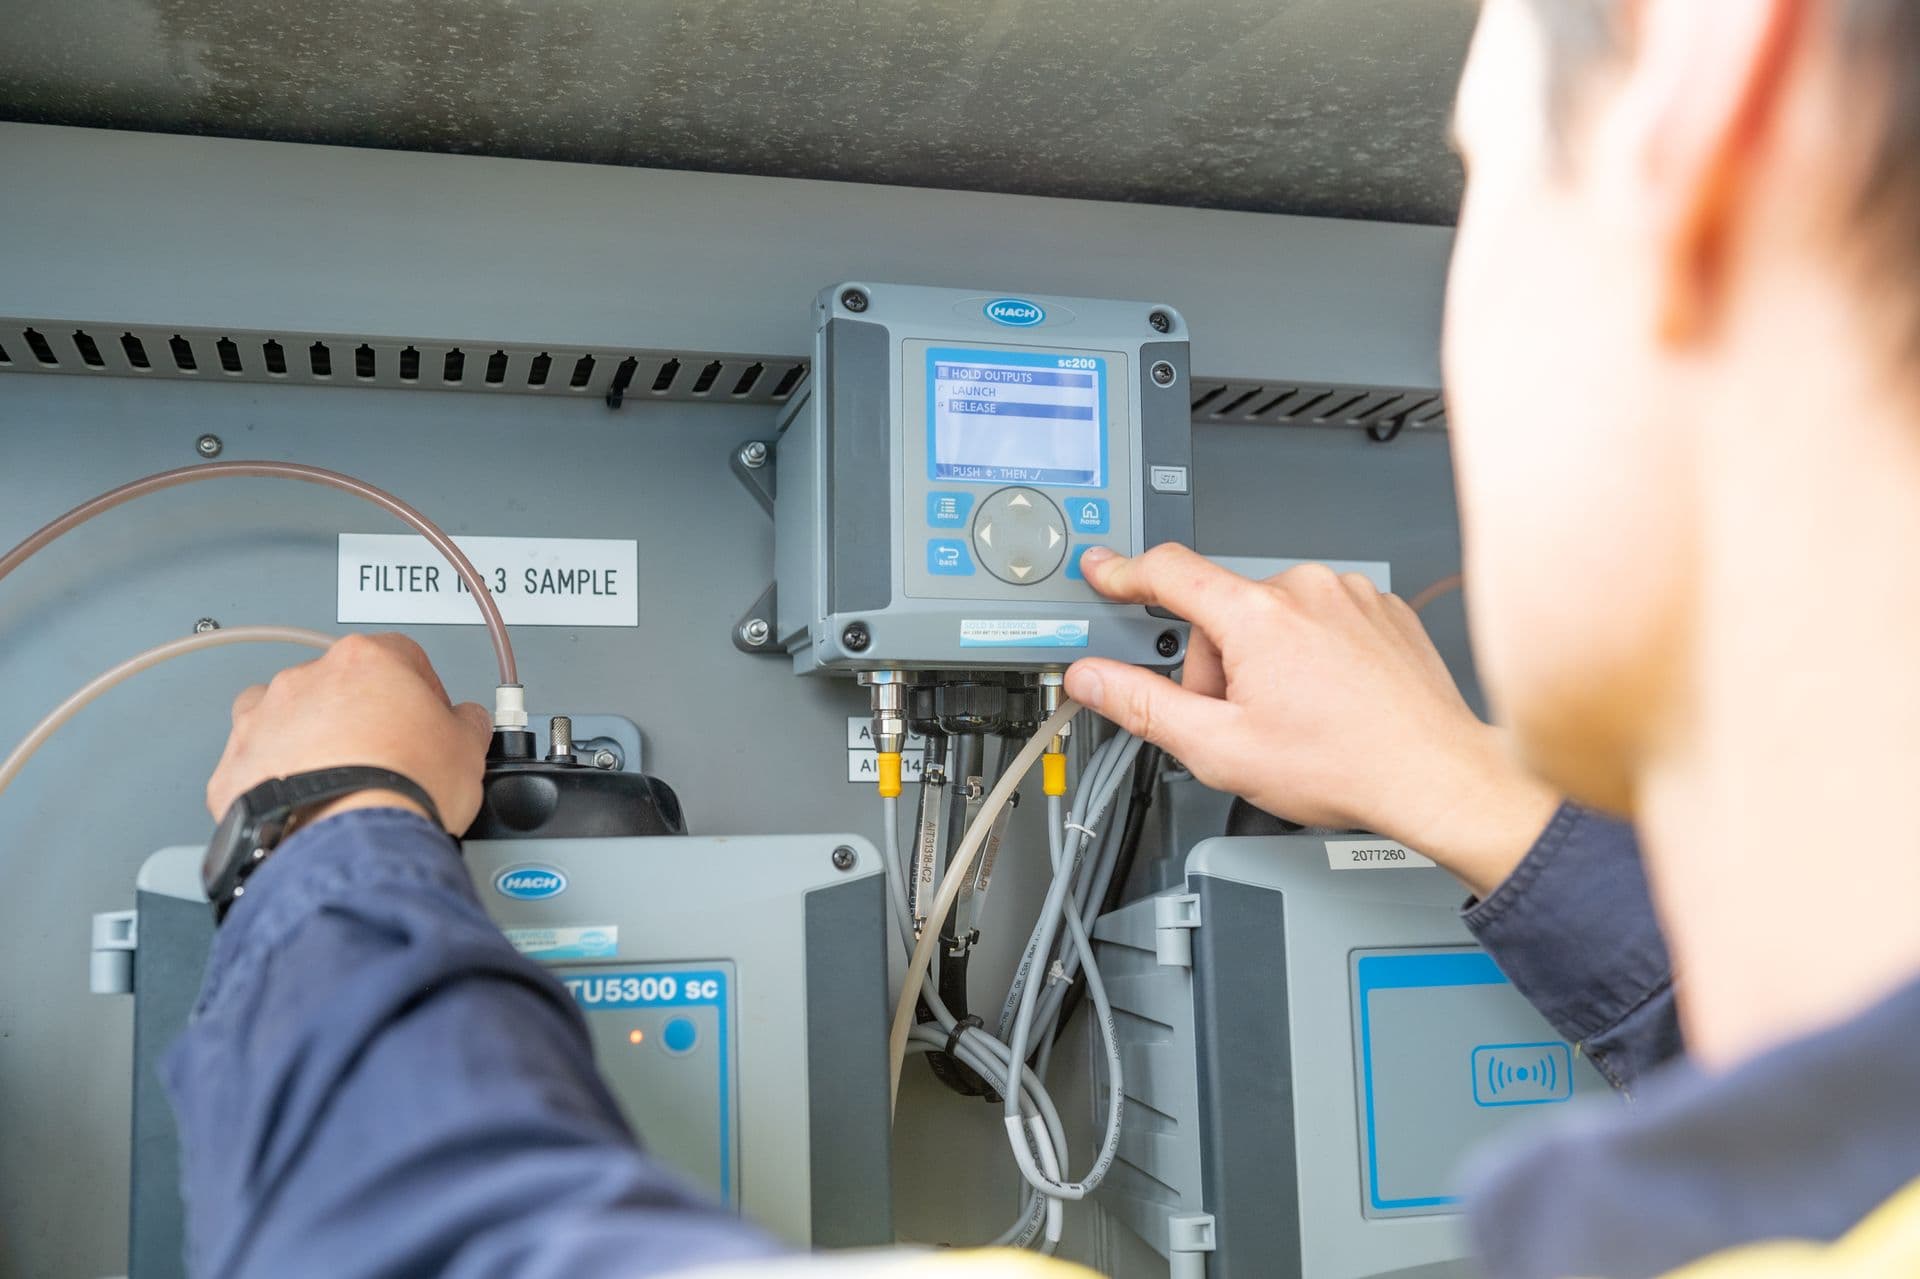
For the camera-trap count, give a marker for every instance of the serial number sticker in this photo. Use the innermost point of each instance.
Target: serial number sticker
(537, 581)
(588, 942)
(1372, 854)
(1056, 632)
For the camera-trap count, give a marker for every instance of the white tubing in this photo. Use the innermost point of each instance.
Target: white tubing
(957, 871)
(93, 688)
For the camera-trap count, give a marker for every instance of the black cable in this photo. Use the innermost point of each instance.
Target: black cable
(1146, 780)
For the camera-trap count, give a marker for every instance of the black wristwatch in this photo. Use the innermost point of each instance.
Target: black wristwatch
(257, 822)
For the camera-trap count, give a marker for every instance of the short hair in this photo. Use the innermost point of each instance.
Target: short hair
(1880, 37)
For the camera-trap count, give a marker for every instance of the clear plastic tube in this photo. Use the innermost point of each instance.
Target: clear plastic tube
(93, 688)
(489, 610)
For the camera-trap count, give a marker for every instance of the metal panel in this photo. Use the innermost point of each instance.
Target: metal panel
(749, 748)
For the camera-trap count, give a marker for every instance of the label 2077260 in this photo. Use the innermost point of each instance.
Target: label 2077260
(1372, 854)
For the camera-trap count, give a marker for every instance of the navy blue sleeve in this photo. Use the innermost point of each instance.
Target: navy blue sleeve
(374, 1083)
(1573, 928)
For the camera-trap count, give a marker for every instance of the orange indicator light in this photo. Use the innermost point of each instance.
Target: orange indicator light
(636, 1036)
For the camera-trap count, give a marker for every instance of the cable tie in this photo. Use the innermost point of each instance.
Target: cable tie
(970, 1022)
(1084, 830)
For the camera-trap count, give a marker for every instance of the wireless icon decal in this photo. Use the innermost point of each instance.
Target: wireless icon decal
(1522, 1074)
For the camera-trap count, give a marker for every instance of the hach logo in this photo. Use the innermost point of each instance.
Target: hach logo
(1018, 312)
(1070, 631)
(530, 883)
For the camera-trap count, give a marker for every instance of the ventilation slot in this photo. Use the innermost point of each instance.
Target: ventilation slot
(41, 348)
(623, 377)
(745, 385)
(454, 367)
(276, 357)
(4, 357)
(1333, 414)
(229, 355)
(704, 383)
(136, 351)
(183, 354)
(89, 350)
(582, 372)
(788, 381)
(537, 371)
(320, 359)
(1235, 403)
(1208, 398)
(363, 366)
(410, 365)
(1274, 403)
(496, 368)
(663, 380)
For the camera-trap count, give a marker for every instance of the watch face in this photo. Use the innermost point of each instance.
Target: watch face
(224, 851)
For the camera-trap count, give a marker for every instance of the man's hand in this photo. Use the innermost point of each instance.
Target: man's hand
(1321, 700)
(371, 699)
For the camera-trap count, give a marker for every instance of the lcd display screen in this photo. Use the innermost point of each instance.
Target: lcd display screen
(1017, 417)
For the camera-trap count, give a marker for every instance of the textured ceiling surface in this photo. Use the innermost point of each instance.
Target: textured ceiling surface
(1329, 107)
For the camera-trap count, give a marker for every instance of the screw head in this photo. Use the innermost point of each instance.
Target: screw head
(845, 858)
(1163, 374)
(856, 638)
(854, 300)
(753, 456)
(1161, 322)
(204, 625)
(604, 759)
(756, 632)
(1167, 645)
(208, 446)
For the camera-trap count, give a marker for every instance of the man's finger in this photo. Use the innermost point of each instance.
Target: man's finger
(247, 699)
(1196, 729)
(1183, 581)
(1203, 672)
(416, 659)
(477, 720)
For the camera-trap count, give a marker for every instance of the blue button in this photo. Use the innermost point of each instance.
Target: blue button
(1089, 514)
(949, 510)
(1073, 562)
(948, 557)
(680, 1035)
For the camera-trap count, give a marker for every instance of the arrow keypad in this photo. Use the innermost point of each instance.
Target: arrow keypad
(1020, 536)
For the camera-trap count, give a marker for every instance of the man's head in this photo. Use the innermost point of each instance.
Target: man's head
(1675, 208)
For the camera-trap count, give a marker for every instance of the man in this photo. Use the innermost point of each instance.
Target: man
(1681, 323)
(1682, 605)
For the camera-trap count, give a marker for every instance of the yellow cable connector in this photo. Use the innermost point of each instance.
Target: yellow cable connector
(889, 774)
(1053, 774)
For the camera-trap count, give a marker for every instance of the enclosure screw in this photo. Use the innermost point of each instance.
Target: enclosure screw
(1167, 645)
(844, 858)
(856, 638)
(755, 632)
(1163, 374)
(604, 759)
(1161, 322)
(204, 625)
(208, 446)
(754, 455)
(854, 300)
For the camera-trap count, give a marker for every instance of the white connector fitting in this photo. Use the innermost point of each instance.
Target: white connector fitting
(510, 707)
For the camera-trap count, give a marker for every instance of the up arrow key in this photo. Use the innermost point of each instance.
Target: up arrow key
(1019, 499)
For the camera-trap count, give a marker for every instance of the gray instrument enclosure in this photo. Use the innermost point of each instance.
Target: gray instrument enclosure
(803, 1078)
(1249, 1107)
(854, 538)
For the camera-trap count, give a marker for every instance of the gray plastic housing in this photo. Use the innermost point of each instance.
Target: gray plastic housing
(804, 1075)
(855, 497)
(1247, 1075)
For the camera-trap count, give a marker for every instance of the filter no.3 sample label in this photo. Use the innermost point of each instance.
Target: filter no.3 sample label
(537, 581)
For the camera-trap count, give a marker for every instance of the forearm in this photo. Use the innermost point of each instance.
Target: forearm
(374, 1076)
(1573, 927)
